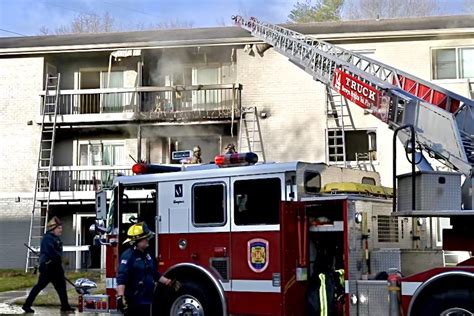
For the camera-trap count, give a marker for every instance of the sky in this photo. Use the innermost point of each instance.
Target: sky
(26, 17)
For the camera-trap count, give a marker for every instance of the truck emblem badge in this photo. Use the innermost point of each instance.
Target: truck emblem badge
(258, 254)
(178, 190)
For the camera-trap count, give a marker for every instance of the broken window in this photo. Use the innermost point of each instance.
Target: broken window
(352, 145)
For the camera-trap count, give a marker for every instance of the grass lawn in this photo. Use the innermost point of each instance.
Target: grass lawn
(16, 279)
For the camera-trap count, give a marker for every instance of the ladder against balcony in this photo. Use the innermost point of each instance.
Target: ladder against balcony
(40, 209)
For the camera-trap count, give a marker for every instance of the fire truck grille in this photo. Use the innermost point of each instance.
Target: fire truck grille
(221, 266)
(387, 228)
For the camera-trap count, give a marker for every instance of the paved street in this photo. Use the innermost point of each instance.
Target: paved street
(6, 308)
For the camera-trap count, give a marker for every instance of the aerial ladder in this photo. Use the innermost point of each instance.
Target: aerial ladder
(443, 120)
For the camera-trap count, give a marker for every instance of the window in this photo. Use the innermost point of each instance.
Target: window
(453, 63)
(101, 153)
(312, 182)
(359, 145)
(257, 201)
(209, 204)
(368, 180)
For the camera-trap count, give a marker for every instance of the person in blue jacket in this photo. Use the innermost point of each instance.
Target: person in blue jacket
(50, 267)
(138, 273)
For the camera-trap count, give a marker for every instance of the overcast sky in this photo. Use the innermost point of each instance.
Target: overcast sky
(27, 16)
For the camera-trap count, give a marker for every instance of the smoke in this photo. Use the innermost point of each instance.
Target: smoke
(168, 65)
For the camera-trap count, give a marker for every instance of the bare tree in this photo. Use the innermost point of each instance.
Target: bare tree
(85, 23)
(94, 23)
(168, 24)
(373, 9)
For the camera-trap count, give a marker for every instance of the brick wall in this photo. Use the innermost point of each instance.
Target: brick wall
(294, 102)
(21, 80)
(14, 228)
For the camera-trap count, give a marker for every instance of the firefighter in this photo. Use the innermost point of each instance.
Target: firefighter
(326, 290)
(50, 267)
(196, 155)
(138, 274)
(230, 149)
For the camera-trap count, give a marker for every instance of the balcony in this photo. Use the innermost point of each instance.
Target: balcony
(80, 182)
(160, 104)
(85, 178)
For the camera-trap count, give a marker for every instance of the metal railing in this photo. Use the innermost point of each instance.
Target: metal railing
(213, 101)
(85, 178)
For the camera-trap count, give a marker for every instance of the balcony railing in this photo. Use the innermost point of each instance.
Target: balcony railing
(159, 103)
(85, 178)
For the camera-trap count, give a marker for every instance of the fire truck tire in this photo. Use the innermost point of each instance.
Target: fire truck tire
(447, 302)
(190, 299)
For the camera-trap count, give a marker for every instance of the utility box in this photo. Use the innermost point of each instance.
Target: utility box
(434, 190)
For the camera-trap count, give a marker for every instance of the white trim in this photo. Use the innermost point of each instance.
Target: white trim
(346, 287)
(265, 286)
(255, 228)
(110, 283)
(409, 288)
(226, 286)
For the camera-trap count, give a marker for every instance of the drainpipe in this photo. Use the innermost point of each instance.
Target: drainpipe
(139, 143)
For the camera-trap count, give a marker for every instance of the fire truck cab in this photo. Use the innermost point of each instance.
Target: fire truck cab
(253, 240)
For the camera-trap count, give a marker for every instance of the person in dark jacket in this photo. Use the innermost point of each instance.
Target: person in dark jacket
(50, 267)
(138, 274)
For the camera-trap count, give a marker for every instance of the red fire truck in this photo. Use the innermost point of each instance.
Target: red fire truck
(248, 237)
(251, 238)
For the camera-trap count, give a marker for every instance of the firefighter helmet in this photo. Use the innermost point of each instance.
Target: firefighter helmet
(138, 232)
(53, 223)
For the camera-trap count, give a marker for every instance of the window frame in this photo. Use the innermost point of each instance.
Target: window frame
(93, 142)
(457, 53)
(257, 227)
(202, 184)
(330, 143)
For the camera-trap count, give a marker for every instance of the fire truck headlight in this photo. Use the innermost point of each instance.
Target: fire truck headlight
(182, 243)
(358, 218)
(353, 299)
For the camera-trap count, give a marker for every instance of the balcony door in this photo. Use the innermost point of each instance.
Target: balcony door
(206, 99)
(93, 102)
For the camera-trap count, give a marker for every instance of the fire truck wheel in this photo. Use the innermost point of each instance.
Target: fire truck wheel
(191, 299)
(455, 302)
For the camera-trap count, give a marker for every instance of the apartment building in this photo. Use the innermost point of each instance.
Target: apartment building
(143, 95)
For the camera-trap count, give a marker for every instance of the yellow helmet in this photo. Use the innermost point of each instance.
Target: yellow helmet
(137, 232)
